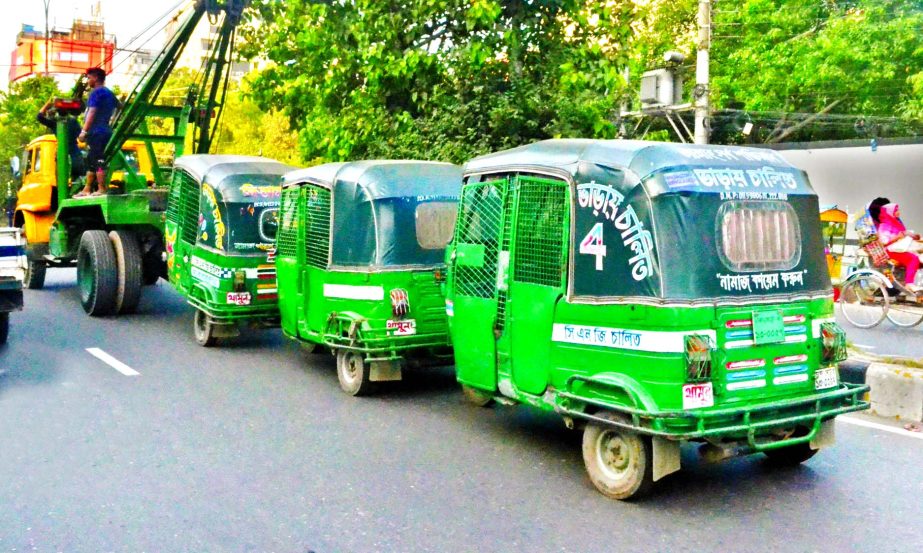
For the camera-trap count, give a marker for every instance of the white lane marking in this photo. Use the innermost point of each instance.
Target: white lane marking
(112, 362)
(863, 346)
(883, 427)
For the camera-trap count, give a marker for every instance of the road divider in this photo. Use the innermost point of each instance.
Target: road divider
(112, 362)
(896, 384)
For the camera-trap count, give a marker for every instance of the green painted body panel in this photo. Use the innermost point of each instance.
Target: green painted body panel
(518, 333)
(311, 314)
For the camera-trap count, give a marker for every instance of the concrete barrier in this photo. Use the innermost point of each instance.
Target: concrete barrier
(897, 391)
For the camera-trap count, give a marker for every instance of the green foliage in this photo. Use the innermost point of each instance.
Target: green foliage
(18, 125)
(441, 79)
(855, 57)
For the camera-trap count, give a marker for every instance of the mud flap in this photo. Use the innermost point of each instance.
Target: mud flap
(666, 457)
(225, 330)
(826, 435)
(385, 371)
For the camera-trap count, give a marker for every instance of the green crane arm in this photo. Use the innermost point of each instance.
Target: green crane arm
(201, 104)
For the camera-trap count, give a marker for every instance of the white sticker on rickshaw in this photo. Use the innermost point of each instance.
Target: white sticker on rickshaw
(696, 396)
(637, 340)
(238, 298)
(205, 278)
(406, 327)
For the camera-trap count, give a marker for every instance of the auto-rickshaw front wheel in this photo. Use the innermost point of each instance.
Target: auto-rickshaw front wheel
(204, 330)
(353, 373)
(619, 461)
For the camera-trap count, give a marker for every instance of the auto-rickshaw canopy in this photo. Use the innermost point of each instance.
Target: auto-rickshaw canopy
(386, 213)
(677, 222)
(238, 200)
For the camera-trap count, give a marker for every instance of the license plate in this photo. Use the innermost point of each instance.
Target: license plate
(698, 395)
(825, 378)
(768, 327)
(403, 328)
(238, 298)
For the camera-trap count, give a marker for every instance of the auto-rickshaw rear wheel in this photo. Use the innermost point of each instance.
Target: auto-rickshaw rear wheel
(4, 327)
(353, 373)
(792, 455)
(204, 330)
(619, 461)
(476, 397)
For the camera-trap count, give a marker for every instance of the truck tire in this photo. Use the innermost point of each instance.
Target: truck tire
(4, 327)
(97, 274)
(128, 263)
(35, 275)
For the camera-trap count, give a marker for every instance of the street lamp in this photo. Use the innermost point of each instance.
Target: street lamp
(47, 3)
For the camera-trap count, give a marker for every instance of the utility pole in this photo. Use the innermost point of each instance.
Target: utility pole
(701, 90)
(47, 2)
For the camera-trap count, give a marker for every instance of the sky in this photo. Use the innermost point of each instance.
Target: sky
(123, 18)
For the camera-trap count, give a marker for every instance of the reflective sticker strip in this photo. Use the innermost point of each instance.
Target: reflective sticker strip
(815, 325)
(348, 292)
(790, 359)
(748, 385)
(749, 364)
(449, 308)
(797, 339)
(637, 340)
(790, 379)
(202, 276)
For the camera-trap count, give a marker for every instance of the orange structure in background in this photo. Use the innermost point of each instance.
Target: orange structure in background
(85, 45)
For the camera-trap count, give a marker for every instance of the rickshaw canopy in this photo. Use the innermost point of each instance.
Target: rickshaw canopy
(238, 202)
(386, 213)
(680, 223)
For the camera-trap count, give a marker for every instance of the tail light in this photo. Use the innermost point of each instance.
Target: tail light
(698, 358)
(833, 343)
(400, 303)
(240, 281)
(439, 275)
(64, 105)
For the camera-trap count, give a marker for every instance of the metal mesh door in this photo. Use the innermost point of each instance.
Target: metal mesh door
(540, 230)
(480, 224)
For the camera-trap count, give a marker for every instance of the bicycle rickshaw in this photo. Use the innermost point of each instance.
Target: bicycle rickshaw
(652, 293)
(220, 239)
(360, 264)
(874, 289)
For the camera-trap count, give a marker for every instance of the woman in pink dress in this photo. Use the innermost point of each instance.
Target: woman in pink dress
(902, 245)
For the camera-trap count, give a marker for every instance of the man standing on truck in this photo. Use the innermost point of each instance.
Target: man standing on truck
(73, 129)
(96, 131)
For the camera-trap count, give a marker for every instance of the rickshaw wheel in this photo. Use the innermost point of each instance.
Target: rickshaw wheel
(4, 327)
(203, 329)
(35, 275)
(618, 461)
(478, 398)
(353, 373)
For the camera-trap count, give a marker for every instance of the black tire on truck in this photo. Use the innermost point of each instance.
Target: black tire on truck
(35, 275)
(97, 274)
(4, 327)
(128, 263)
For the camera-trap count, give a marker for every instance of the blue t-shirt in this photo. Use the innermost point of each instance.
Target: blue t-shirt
(105, 103)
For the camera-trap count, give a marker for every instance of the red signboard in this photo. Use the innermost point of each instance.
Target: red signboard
(65, 56)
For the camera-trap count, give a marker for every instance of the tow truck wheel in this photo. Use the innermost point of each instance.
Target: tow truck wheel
(4, 327)
(618, 461)
(96, 273)
(476, 397)
(353, 373)
(35, 275)
(204, 330)
(128, 263)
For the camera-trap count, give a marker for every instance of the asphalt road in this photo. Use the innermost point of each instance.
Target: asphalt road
(885, 339)
(252, 447)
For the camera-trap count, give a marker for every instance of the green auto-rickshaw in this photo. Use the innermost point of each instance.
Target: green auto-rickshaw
(654, 293)
(360, 256)
(220, 240)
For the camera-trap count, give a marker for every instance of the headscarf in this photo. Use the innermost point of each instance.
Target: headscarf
(889, 226)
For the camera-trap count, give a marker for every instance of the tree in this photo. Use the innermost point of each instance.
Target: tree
(18, 125)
